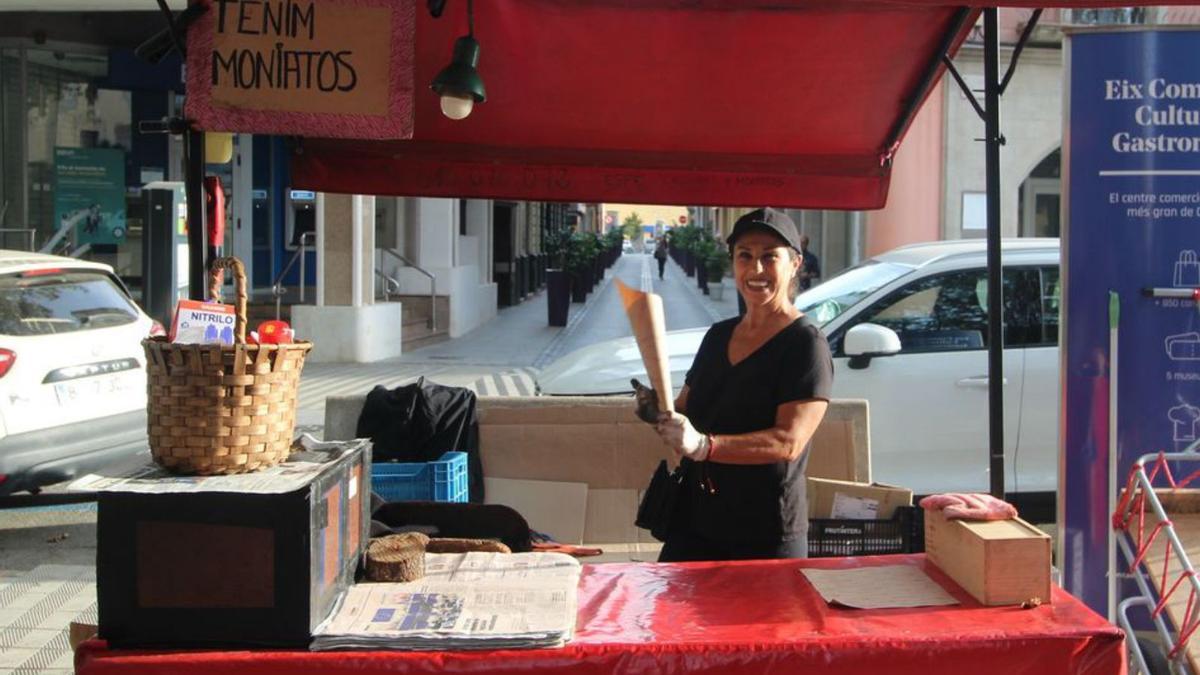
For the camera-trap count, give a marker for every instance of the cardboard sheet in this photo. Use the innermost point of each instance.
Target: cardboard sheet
(878, 587)
(554, 508)
(610, 516)
(645, 312)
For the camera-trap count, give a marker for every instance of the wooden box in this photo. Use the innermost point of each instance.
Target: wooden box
(231, 560)
(999, 562)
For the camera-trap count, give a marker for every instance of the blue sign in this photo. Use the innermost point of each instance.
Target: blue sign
(1132, 171)
(302, 195)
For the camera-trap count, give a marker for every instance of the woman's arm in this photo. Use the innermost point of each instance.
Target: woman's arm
(795, 424)
(681, 401)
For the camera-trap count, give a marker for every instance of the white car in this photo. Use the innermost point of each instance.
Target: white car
(72, 370)
(908, 330)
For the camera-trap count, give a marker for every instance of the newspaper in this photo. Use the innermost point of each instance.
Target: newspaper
(297, 472)
(465, 601)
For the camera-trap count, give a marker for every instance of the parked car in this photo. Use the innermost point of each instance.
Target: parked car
(72, 375)
(908, 330)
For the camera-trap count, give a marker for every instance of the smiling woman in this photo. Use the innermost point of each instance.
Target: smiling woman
(754, 396)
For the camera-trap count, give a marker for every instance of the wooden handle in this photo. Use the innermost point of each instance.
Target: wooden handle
(239, 285)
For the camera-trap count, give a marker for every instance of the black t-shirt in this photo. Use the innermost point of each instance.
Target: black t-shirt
(812, 269)
(764, 502)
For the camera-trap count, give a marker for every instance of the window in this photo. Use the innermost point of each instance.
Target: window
(61, 302)
(1051, 304)
(936, 314)
(974, 214)
(948, 312)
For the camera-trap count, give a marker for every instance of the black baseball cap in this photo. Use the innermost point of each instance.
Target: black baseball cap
(772, 220)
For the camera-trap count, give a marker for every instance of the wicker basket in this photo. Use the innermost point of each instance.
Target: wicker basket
(219, 409)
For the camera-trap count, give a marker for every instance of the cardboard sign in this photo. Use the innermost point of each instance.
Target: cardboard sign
(204, 323)
(323, 68)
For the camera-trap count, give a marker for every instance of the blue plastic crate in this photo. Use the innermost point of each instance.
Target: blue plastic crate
(444, 480)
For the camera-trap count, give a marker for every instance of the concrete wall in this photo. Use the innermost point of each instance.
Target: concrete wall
(1030, 119)
(462, 264)
(344, 334)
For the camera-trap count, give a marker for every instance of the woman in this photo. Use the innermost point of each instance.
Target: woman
(757, 390)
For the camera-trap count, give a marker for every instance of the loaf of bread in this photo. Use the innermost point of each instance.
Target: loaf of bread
(397, 557)
(450, 545)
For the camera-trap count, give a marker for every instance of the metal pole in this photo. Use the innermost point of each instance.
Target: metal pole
(1114, 322)
(23, 128)
(993, 140)
(197, 233)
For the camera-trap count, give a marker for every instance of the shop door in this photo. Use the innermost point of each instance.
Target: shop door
(502, 254)
(1040, 207)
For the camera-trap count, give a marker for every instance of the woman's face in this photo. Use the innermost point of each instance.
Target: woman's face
(763, 268)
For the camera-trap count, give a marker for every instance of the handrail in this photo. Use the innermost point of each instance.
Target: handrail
(390, 285)
(277, 286)
(432, 284)
(30, 232)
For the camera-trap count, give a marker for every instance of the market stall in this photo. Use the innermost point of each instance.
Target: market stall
(825, 140)
(684, 618)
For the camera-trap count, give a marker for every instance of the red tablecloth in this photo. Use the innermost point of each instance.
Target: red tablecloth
(749, 617)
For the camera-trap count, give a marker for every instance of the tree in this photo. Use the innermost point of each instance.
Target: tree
(631, 227)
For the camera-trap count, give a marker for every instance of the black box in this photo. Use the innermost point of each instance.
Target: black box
(840, 537)
(227, 564)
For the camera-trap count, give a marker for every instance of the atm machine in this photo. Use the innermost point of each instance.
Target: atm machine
(300, 225)
(301, 217)
(164, 249)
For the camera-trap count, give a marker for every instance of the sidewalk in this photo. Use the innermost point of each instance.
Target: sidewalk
(495, 359)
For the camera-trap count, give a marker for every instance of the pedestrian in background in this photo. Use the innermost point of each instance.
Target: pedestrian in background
(810, 268)
(660, 254)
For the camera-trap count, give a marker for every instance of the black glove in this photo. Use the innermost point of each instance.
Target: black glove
(647, 402)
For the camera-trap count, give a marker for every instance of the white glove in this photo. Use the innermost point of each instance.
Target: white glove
(678, 433)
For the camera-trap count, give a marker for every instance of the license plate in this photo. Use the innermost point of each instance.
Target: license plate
(89, 389)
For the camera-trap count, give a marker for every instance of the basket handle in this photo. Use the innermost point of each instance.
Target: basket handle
(239, 284)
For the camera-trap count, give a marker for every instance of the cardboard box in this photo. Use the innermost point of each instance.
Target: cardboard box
(859, 501)
(205, 323)
(999, 562)
(231, 568)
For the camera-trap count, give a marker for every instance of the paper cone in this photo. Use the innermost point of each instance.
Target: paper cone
(645, 312)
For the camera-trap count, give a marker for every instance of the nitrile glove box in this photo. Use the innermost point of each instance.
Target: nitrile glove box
(250, 559)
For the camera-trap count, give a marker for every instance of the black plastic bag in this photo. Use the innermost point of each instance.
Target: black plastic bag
(659, 504)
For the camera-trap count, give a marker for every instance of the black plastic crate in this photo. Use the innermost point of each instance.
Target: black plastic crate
(904, 533)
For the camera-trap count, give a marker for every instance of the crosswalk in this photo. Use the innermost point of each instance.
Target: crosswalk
(518, 382)
(320, 381)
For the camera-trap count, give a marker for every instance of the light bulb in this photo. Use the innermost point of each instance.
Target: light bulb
(457, 107)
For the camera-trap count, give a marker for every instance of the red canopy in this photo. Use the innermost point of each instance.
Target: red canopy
(721, 102)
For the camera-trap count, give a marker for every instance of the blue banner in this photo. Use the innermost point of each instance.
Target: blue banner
(1132, 174)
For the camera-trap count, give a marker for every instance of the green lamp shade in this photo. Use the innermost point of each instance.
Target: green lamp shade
(460, 79)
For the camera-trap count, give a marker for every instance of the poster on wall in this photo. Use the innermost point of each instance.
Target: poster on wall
(89, 194)
(1132, 178)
